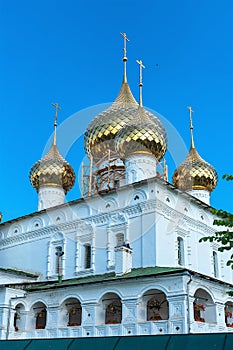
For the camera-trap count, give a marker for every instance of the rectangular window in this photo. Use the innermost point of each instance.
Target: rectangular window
(87, 262)
(215, 262)
(180, 246)
(58, 262)
(120, 239)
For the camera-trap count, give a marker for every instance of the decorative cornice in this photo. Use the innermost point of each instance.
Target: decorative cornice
(116, 217)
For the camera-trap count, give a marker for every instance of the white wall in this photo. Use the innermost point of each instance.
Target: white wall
(150, 214)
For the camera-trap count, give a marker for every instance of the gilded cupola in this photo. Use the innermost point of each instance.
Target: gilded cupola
(52, 170)
(195, 173)
(144, 134)
(100, 135)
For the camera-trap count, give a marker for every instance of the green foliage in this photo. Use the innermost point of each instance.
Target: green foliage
(224, 237)
(227, 177)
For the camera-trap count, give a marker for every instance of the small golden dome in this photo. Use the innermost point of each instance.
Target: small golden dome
(195, 173)
(52, 170)
(101, 132)
(144, 134)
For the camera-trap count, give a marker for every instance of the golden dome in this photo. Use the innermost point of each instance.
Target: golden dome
(52, 170)
(195, 173)
(144, 134)
(101, 132)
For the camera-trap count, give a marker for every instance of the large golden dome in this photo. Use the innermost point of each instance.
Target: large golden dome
(52, 170)
(195, 173)
(101, 132)
(144, 134)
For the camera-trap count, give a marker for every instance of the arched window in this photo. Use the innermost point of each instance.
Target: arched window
(215, 263)
(41, 316)
(113, 312)
(203, 307)
(74, 312)
(180, 250)
(19, 317)
(157, 306)
(87, 256)
(109, 310)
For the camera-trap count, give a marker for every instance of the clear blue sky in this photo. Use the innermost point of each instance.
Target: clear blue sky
(70, 52)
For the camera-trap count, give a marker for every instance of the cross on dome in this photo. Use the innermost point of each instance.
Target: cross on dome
(140, 81)
(125, 57)
(191, 111)
(57, 107)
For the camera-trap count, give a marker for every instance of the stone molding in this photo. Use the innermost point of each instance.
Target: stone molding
(111, 219)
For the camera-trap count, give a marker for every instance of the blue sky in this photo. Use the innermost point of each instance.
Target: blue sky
(70, 52)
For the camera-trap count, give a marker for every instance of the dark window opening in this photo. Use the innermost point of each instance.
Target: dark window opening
(87, 263)
(41, 319)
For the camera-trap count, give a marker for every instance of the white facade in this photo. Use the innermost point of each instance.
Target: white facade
(160, 227)
(125, 261)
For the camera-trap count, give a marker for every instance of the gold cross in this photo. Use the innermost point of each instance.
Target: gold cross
(125, 39)
(57, 107)
(190, 116)
(140, 81)
(141, 66)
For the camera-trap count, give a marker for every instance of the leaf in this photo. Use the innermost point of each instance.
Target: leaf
(227, 177)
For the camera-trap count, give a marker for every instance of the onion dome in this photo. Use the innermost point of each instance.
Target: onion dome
(52, 169)
(100, 135)
(195, 173)
(143, 134)
(101, 132)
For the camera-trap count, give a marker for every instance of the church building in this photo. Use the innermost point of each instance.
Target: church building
(125, 258)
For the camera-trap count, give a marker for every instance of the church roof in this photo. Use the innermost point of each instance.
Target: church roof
(18, 272)
(135, 273)
(142, 272)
